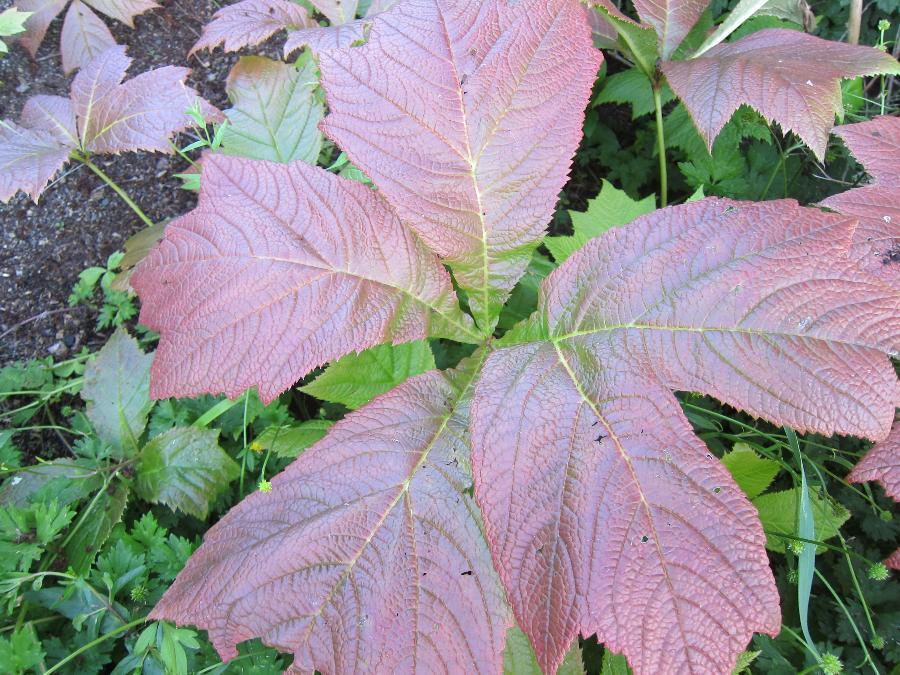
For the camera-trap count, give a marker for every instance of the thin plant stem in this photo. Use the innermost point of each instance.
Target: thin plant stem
(661, 146)
(115, 186)
(93, 643)
(840, 603)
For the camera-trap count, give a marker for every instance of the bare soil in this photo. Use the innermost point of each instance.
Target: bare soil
(78, 222)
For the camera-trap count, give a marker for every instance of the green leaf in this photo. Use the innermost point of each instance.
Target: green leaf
(637, 41)
(779, 512)
(356, 379)
(95, 525)
(744, 660)
(117, 391)
(289, 441)
(614, 664)
(12, 22)
(519, 659)
(752, 473)
(276, 112)
(21, 652)
(184, 468)
(632, 86)
(69, 481)
(522, 302)
(611, 208)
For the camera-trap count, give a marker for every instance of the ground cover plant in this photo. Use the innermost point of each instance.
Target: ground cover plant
(449, 439)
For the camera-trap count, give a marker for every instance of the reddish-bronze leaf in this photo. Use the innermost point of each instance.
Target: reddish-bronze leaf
(84, 36)
(280, 269)
(53, 114)
(140, 114)
(123, 10)
(604, 512)
(894, 561)
(672, 19)
(29, 158)
(876, 144)
(790, 77)
(44, 11)
(327, 38)
(469, 129)
(249, 22)
(882, 464)
(367, 556)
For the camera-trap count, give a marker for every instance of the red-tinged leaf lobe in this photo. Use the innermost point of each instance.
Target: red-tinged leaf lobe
(672, 20)
(280, 269)
(123, 10)
(605, 514)
(882, 464)
(84, 37)
(328, 38)
(894, 561)
(603, 511)
(52, 114)
(469, 130)
(140, 114)
(367, 556)
(753, 303)
(876, 144)
(250, 22)
(28, 160)
(43, 13)
(790, 77)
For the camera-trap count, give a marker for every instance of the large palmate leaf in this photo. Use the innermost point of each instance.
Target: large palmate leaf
(276, 113)
(84, 34)
(249, 22)
(102, 115)
(603, 511)
(367, 556)
(280, 269)
(468, 130)
(876, 144)
(882, 464)
(337, 11)
(790, 77)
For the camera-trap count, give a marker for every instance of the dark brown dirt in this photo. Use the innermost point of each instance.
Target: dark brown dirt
(78, 221)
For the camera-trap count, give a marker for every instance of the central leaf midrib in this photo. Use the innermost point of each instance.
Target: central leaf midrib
(403, 490)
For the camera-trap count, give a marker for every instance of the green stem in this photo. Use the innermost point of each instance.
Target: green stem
(661, 146)
(115, 186)
(90, 645)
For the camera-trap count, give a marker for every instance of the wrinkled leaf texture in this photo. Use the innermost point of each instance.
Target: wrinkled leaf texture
(790, 77)
(367, 556)
(249, 22)
(876, 144)
(103, 115)
(603, 512)
(468, 130)
(280, 269)
(882, 464)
